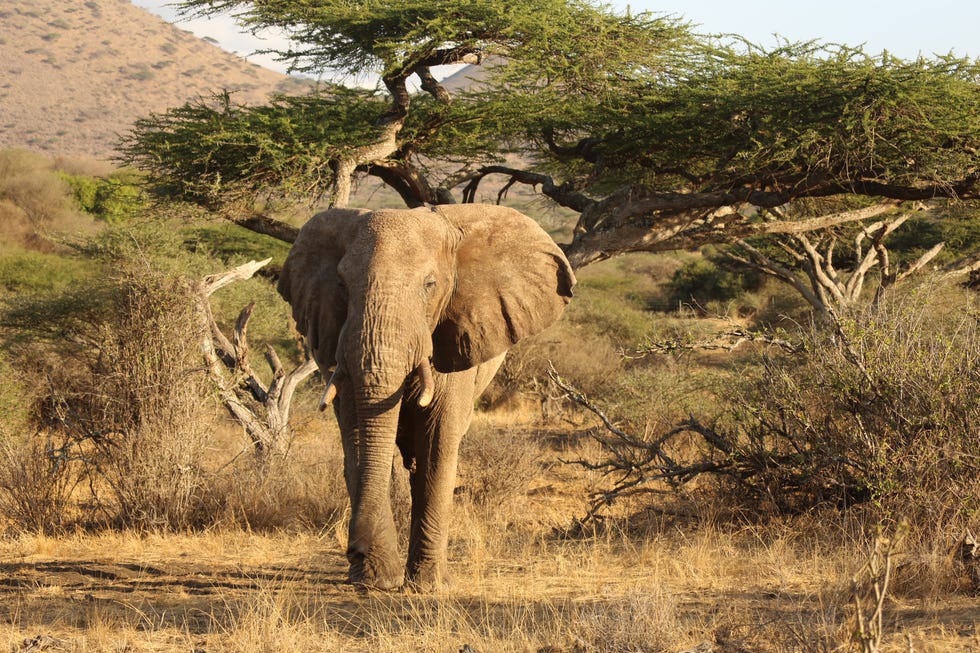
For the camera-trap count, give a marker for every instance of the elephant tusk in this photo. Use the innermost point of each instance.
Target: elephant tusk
(330, 393)
(424, 372)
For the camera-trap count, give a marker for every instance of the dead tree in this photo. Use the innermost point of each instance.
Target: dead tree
(262, 410)
(640, 465)
(826, 286)
(764, 464)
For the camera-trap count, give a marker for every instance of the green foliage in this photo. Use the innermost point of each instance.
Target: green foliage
(879, 410)
(233, 245)
(601, 100)
(114, 199)
(85, 189)
(37, 272)
(613, 300)
(792, 120)
(957, 225)
(391, 37)
(704, 280)
(215, 151)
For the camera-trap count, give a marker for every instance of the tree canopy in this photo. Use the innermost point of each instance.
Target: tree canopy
(658, 137)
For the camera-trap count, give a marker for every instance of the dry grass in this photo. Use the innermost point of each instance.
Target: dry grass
(233, 591)
(517, 586)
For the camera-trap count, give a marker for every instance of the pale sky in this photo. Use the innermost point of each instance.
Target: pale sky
(904, 28)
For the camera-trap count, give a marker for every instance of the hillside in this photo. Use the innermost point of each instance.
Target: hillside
(74, 74)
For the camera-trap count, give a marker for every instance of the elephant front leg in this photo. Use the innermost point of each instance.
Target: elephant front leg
(372, 551)
(438, 432)
(433, 481)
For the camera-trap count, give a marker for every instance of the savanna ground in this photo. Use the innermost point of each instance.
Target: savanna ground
(645, 585)
(187, 542)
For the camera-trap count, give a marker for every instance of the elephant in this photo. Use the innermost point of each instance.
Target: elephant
(410, 312)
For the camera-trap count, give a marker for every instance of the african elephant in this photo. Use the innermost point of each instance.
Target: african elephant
(382, 298)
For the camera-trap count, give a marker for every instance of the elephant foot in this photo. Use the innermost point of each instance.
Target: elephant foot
(375, 574)
(427, 576)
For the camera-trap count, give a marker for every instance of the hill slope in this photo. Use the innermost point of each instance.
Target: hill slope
(74, 74)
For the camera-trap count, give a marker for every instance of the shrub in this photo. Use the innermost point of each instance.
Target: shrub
(497, 464)
(109, 338)
(880, 410)
(702, 280)
(147, 388)
(884, 409)
(114, 199)
(36, 482)
(33, 198)
(131, 404)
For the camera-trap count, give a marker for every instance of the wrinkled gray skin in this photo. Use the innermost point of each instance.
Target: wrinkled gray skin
(379, 295)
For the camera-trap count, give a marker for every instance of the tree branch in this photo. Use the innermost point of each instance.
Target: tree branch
(263, 224)
(263, 412)
(563, 194)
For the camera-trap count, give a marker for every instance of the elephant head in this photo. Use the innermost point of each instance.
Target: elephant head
(382, 297)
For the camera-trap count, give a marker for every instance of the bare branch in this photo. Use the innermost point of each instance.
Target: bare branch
(639, 462)
(214, 282)
(431, 86)
(759, 261)
(921, 262)
(636, 220)
(262, 411)
(564, 194)
(728, 340)
(263, 224)
(963, 267)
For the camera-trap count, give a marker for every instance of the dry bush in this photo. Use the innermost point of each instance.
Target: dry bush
(34, 200)
(497, 465)
(282, 493)
(36, 483)
(880, 411)
(16, 225)
(128, 394)
(591, 360)
(147, 388)
(884, 410)
(82, 165)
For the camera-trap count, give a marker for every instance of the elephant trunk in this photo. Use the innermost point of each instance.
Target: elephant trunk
(380, 357)
(372, 540)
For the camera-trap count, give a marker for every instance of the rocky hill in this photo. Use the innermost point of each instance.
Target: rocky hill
(74, 74)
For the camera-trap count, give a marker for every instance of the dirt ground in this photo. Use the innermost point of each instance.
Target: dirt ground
(517, 586)
(236, 591)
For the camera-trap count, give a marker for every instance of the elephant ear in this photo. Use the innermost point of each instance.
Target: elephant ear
(310, 283)
(512, 281)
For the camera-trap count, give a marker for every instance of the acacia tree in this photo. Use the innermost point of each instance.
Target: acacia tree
(658, 139)
(698, 156)
(226, 156)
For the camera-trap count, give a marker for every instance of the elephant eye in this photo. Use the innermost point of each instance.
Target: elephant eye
(430, 282)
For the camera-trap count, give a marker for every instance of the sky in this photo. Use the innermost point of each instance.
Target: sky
(903, 27)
